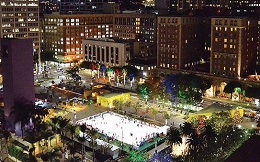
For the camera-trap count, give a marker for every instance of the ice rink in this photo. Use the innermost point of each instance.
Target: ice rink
(128, 130)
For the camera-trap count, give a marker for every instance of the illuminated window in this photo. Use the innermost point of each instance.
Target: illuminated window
(230, 46)
(225, 40)
(225, 45)
(216, 39)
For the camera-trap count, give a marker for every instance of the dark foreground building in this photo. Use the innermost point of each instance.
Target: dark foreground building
(18, 81)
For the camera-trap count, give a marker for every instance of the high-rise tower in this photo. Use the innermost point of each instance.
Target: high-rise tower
(20, 19)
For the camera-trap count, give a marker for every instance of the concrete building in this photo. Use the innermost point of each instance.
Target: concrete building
(184, 5)
(111, 8)
(110, 52)
(20, 19)
(63, 34)
(233, 46)
(139, 27)
(179, 42)
(18, 78)
(80, 7)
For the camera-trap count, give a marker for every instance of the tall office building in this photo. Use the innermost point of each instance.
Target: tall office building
(179, 42)
(18, 79)
(20, 19)
(80, 6)
(184, 5)
(140, 27)
(250, 7)
(233, 46)
(64, 33)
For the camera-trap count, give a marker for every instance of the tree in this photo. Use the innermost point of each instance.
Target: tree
(117, 73)
(208, 134)
(252, 92)
(92, 68)
(103, 70)
(131, 77)
(72, 129)
(230, 87)
(109, 73)
(195, 144)
(137, 106)
(154, 111)
(47, 56)
(94, 135)
(82, 139)
(166, 116)
(73, 72)
(62, 123)
(173, 136)
(85, 64)
(98, 68)
(124, 73)
(7, 136)
(142, 90)
(23, 112)
(188, 87)
(118, 104)
(187, 129)
(220, 121)
(137, 156)
(237, 117)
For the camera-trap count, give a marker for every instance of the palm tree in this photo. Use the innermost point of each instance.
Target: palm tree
(173, 136)
(124, 73)
(72, 129)
(23, 112)
(103, 70)
(208, 134)
(187, 129)
(131, 77)
(93, 134)
(98, 68)
(82, 139)
(63, 122)
(7, 136)
(117, 73)
(195, 145)
(92, 67)
(109, 73)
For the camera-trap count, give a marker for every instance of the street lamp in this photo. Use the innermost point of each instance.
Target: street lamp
(122, 144)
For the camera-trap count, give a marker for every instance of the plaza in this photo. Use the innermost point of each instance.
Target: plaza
(125, 129)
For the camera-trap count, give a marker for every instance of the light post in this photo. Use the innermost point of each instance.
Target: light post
(122, 144)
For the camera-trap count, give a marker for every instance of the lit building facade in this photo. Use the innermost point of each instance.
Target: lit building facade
(233, 46)
(80, 7)
(244, 6)
(179, 42)
(20, 19)
(139, 27)
(63, 34)
(106, 51)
